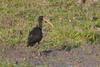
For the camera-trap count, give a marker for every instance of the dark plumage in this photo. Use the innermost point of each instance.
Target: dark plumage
(36, 35)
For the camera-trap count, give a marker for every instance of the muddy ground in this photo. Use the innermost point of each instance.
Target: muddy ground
(86, 56)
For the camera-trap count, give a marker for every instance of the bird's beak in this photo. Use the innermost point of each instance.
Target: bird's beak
(49, 23)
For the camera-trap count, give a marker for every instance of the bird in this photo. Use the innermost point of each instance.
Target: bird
(36, 34)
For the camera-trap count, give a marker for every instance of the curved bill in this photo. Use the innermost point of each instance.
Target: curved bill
(49, 23)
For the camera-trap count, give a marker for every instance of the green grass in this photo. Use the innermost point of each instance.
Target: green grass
(72, 24)
(10, 63)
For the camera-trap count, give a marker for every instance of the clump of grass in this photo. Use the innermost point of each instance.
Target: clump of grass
(11, 63)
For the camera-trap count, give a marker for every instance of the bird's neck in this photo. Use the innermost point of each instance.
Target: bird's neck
(40, 24)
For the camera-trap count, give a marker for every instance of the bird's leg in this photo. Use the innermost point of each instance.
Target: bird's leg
(38, 48)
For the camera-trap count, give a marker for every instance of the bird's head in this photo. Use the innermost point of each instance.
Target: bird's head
(40, 18)
(44, 19)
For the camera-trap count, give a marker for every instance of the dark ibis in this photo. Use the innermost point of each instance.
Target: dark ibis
(36, 34)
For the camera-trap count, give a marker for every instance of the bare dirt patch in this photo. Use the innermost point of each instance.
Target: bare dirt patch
(86, 56)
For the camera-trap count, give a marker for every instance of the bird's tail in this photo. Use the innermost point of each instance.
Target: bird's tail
(30, 44)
